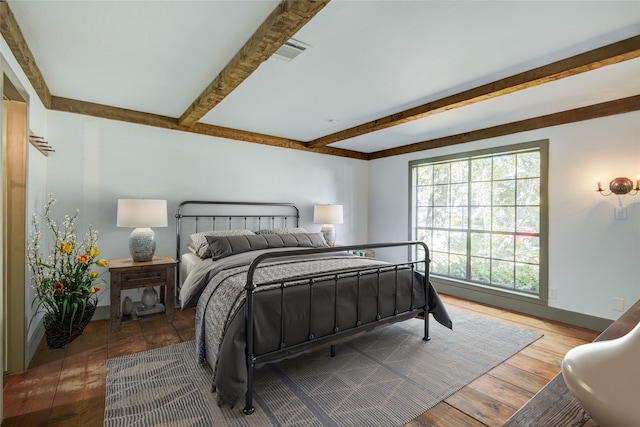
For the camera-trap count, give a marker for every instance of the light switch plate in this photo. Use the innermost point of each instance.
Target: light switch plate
(620, 213)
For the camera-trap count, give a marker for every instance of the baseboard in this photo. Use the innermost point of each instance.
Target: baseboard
(33, 342)
(521, 305)
(103, 312)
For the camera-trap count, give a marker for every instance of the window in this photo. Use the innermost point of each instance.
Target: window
(483, 216)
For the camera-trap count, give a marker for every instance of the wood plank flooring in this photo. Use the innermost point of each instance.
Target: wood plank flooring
(66, 387)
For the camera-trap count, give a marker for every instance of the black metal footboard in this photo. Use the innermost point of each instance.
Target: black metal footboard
(379, 279)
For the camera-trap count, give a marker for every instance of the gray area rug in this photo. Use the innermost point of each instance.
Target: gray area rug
(383, 378)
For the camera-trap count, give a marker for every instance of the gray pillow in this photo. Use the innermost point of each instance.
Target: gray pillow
(199, 240)
(224, 246)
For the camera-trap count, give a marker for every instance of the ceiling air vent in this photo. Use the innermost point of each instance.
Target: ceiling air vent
(290, 50)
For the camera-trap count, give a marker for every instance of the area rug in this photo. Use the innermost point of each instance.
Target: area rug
(385, 377)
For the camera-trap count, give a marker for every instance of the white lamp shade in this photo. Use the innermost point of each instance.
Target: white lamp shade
(327, 214)
(142, 213)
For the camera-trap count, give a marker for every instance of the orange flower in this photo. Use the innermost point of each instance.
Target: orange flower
(83, 259)
(94, 252)
(58, 286)
(66, 247)
(93, 274)
(102, 263)
(95, 288)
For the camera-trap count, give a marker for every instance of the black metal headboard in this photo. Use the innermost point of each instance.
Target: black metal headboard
(204, 215)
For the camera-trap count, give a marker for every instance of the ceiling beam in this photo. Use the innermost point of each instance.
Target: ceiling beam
(611, 54)
(12, 34)
(610, 108)
(285, 21)
(147, 119)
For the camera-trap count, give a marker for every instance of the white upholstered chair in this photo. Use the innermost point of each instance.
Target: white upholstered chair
(604, 377)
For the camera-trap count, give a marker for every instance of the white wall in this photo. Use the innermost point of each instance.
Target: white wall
(592, 257)
(98, 161)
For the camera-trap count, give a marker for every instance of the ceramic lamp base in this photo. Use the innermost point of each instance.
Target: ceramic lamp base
(142, 244)
(329, 233)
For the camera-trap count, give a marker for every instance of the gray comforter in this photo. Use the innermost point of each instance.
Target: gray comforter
(219, 289)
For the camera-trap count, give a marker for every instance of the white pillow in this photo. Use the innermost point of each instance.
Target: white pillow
(295, 230)
(202, 246)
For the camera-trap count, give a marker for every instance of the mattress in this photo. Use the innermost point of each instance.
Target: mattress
(188, 262)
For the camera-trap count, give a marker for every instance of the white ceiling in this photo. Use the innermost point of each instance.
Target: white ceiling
(368, 59)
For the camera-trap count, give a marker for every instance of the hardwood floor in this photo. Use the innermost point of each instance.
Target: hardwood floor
(66, 387)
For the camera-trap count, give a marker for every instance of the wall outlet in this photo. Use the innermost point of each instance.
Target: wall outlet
(618, 304)
(553, 294)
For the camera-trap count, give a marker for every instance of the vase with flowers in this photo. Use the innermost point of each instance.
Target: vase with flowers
(66, 281)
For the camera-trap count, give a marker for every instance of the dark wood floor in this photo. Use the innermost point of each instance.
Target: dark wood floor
(66, 387)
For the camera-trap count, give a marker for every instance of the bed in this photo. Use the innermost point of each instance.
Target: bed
(266, 290)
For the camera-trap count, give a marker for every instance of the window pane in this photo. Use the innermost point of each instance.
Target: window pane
(504, 193)
(424, 195)
(481, 270)
(527, 278)
(439, 263)
(528, 220)
(502, 247)
(459, 195)
(480, 194)
(481, 218)
(425, 236)
(529, 164)
(480, 244)
(425, 175)
(504, 219)
(460, 171)
(441, 195)
(481, 169)
(502, 273)
(504, 167)
(441, 217)
(441, 241)
(528, 192)
(528, 249)
(459, 218)
(441, 173)
(425, 217)
(458, 266)
(458, 243)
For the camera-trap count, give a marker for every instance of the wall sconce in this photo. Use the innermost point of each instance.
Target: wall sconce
(620, 186)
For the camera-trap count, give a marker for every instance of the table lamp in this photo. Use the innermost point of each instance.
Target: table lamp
(142, 214)
(328, 215)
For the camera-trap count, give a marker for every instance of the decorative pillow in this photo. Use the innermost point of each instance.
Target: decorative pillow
(224, 246)
(295, 230)
(199, 240)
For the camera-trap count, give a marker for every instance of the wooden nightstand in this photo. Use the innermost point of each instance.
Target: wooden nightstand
(126, 274)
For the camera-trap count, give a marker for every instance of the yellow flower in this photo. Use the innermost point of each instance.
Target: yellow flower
(66, 247)
(102, 263)
(58, 286)
(83, 259)
(94, 252)
(93, 274)
(95, 288)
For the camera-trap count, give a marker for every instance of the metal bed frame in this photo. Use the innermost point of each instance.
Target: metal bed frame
(283, 213)
(254, 361)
